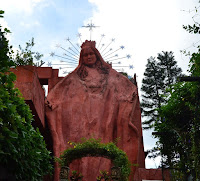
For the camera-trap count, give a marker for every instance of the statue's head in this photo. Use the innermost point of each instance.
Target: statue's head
(90, 57)
(88, 53)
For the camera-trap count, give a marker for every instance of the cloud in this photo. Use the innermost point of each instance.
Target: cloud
(145, 28)
(4, 25)
(22, 6)
(29, 25)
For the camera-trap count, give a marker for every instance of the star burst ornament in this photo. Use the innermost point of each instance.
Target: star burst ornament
(110, 54)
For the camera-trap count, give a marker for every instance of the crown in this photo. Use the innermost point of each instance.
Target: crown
(88, 44)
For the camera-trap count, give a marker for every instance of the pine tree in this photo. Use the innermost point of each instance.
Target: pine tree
(159, 75)
(152, 87)
(168, 63)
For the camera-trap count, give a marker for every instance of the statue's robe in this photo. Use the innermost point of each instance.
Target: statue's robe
(100, 106)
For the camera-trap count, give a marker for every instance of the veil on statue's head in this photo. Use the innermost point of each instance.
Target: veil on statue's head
(100, 64)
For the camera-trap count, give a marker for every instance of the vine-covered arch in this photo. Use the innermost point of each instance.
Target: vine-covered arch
(94, 148)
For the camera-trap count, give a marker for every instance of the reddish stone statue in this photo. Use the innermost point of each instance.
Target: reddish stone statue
(94, 101)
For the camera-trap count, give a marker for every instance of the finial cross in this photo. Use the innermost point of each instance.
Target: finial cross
(90, 26)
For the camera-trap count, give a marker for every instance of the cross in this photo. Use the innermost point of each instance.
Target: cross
(90, 26)
(189, 79)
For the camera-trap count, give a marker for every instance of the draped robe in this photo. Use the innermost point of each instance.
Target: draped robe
(100, 106)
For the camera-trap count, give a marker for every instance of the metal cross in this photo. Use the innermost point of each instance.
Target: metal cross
(90, 26)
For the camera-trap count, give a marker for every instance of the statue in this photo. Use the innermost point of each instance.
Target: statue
(93, 100)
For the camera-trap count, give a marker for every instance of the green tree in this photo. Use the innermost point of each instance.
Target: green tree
(179, 132)
(159, 75)
(22, 148)
(152, 87)
(27, 56)
(174, 130)
(169, 65)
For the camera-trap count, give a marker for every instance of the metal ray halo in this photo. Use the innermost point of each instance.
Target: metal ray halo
(68, 61)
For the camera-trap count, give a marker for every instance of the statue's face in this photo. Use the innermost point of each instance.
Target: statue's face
(89, 57)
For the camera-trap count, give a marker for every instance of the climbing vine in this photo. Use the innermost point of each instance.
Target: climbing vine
(94, 148)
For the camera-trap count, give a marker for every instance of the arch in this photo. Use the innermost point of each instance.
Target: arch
(94, 148)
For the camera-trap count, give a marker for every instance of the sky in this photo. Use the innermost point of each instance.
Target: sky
(145, 28)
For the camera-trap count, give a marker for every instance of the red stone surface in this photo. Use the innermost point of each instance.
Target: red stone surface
(32, 91)
(78, 111)
(102, 105)
(92, 102)
(44, 74)
(152, 174)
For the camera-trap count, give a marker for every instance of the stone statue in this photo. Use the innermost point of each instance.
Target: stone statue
(94, 101)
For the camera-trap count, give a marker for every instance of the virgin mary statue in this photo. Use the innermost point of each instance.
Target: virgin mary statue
(93, 101)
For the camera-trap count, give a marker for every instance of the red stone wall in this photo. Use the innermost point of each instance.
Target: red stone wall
(152, 174)
(32, 91)
(30, 80)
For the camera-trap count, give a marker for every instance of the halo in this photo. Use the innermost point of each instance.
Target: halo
(68, 59)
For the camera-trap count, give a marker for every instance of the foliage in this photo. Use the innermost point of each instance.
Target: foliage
(159, 75)
(194, 64)
(76, 176)
(195, 28)
(5, 50)
(169, 65)
(22, 148)
(126, 75)
(27, 56)
(152, 84)
(94, 148)
(192, 29)
(179, 131)
(104, 176)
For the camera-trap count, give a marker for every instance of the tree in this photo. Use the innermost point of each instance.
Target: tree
(169, 65)
(22, 148)
(179, 132)
(159, 75)
(152, 87)
(27, 56)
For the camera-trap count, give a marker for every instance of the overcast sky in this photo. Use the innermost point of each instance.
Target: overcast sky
(144, 27)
